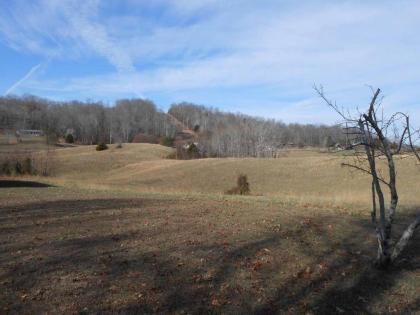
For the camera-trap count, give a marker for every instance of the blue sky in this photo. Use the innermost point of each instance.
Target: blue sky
(256, 57)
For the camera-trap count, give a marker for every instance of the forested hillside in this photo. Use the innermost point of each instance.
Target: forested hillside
(228, 134)
(88, 122)
(218, 133)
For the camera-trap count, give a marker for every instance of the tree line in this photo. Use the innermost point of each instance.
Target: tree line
(228, 134)
(88, 122)
(217, 133)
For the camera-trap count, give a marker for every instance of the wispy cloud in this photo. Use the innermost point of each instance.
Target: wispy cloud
(94, 35)
(276, 49)
(65, 29)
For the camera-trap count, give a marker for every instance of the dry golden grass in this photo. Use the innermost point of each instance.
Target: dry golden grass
(10, 144)
(304, 176)
(84, 162)
(127, 231)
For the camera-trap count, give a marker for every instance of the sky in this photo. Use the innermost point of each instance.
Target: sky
(256, 57)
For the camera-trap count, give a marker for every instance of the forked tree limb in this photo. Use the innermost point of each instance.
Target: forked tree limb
(391, 165)
(371, 112)
(405, 238)
(364, 127)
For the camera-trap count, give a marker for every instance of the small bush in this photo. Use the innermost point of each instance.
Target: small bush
(186, 152)
(101, 147)
(242, 186)
(167, 141)
(18, 164)
(69, 138)
(193, 151)
(119, 146)
(27, 167)
(18, 168)
(6, 168)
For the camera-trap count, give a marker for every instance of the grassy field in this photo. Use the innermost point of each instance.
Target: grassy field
(126, 231)
(10, 144)
(306, 176)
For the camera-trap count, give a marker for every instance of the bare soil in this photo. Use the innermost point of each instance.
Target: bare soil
(69, 251)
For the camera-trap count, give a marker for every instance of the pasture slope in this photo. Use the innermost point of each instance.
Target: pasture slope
(126, 231)
(300, 175)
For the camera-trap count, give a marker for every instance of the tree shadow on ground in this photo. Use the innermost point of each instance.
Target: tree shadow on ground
(90, 258)
(22, 183)
(348, 285)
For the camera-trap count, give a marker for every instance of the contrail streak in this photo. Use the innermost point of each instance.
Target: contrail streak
(26, 77)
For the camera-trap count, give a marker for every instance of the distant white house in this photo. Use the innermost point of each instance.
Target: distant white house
(30, 132)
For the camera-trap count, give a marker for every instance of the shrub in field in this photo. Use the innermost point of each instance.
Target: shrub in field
(6, 168)
(15, 164)
(242, 186)
(193, 151)
(101, 147)
(10, 167)
(119, 146)
(186, 152)
(69, 138)
(167, 141)
(18, 168)
(27, 167)
(44, 163)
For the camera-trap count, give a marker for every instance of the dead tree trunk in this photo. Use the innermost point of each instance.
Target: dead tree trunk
(371, 134)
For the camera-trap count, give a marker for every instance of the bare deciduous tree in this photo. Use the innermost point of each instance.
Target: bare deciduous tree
(372, 133)
(227, 134)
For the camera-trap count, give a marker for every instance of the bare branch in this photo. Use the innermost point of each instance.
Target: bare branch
(373, 214)
(401, 141)
(373, 102)
(320, 91)
(410, 139)
(407, 235)
(372, 134)
(364, 171)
